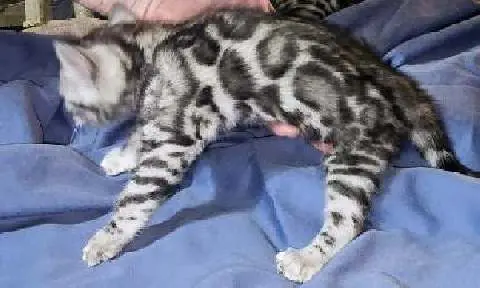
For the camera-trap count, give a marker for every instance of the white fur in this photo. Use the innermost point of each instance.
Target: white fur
(300, 265)
(119, 160)
(104, 246)
(101, 247)
(77, 70)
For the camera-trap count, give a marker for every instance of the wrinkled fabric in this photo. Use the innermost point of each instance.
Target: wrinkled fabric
(251, 194)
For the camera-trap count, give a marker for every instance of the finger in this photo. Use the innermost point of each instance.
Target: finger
(281, 129)
(326, 148)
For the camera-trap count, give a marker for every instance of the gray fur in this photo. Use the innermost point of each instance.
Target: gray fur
(310, 10)
(189, 82)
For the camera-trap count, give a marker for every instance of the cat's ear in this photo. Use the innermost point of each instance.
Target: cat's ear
(119, 14)
(74, 59)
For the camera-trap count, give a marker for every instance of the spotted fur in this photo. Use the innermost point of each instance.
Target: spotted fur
(313, 11)
(189, 82)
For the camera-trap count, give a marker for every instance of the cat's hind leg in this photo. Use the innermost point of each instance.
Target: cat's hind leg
(352, 179)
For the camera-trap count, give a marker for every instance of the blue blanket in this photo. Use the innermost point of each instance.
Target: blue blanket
(251, 194)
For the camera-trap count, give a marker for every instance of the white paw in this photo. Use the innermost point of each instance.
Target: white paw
(117, 161)
(101, 247)
(299, 265)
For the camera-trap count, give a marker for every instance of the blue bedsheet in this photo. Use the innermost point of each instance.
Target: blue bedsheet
(251, 194)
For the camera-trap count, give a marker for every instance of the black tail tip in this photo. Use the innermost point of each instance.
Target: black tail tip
(468, 172)
(471, 173)
(453, 165)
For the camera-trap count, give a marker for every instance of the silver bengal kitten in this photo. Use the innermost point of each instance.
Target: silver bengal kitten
(187, 83)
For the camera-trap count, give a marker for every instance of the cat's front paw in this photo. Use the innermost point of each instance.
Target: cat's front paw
(117, 161)
(299, 265)
(101, 247)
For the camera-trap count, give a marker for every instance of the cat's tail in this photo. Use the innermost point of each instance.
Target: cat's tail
(429, 136)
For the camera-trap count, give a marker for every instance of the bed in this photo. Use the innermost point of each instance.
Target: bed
(251, 194)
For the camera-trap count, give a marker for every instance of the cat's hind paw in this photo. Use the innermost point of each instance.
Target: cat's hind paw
(100, 248)
(299, 265)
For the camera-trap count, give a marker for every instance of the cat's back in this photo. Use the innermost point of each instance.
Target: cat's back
(243, 53)
(281, 39)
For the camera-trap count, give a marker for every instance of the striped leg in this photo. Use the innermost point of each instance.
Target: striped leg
(352, 179)
(162, 164)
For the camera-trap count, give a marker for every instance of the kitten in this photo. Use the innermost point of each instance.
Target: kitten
(189, 82)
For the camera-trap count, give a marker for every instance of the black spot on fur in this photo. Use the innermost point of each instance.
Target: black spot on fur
(184, 164)
(197, 122)
(236, 26)
(186, 37)
(311, 133)
(131, 218)
(174, 172)
(158, 181)
(337, 218)
(311, 82)
(357, 171)
(352, 160)
(319, 248)
(345, 113)
(165, 128)
(154, 162)
(205, 98)
(317, 52)
(149, 145)
(350, 136)
(206, 50)
(163, 192)
(375, 149)
(176, 154)
(294, 118)
(327, 121)
(355, 193)
(140, 198)
(181, 140)
(276, 54)
(386, 133)
(112, 228)
(329, 240)
(357, 223)
(373, 110)
(235, 77)
(244, 111)
(269, 99)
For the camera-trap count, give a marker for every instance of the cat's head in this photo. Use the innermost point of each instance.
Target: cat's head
(99, 72)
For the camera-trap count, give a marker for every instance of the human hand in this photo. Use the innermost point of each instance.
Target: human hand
(282, 129)
(173, 10)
